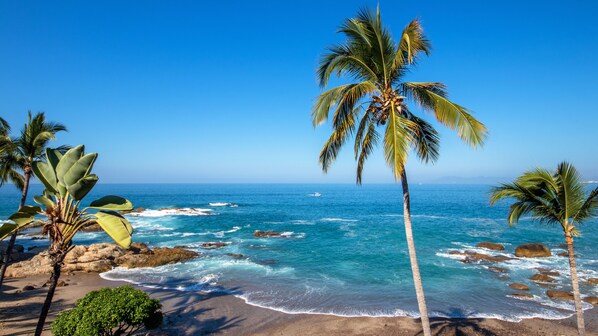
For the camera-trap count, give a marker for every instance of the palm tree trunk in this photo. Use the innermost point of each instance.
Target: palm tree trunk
(56, 266)
(581, 329)
(13, 238)
(417, 280)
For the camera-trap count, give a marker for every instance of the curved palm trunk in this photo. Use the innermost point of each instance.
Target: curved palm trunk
(56, 266)
(581, 329)
(13, 238)
(417, 280)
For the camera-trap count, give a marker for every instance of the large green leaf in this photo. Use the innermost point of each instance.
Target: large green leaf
(44, 200)
(6, 229)
(67, 161)
(46, 174)
(79, 169)
(25, 215)
(82, 187)
(53, 156)
(116, 226)
(112, 202)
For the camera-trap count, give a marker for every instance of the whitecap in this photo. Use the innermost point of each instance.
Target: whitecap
(173, 212)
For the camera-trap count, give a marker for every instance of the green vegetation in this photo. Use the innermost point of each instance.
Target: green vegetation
(119, 311)
(17, 154)
(376, 98)
(553, 198)
(67, 180)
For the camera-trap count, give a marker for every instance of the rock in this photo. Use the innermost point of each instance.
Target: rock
(548, 272)
(136, 210)
(563, 254)
(61, 284)
(519, 286)
(471, 256)
(592, 281)
(259, 233)
(591, 300)
(559, 295)
(159, 256)
(522, 295)
(102, 257)
(532, 251)
(92, 228)
(545, 285)
(213, 245)
(28, 288)
(235, 255)
(18, 248)
(498, 270)
(491, 246)
(503, 277)
(542, 278)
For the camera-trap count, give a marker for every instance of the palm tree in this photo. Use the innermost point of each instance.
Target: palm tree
(377, 99)
(18, 154)
(67, 180)
(554, 198)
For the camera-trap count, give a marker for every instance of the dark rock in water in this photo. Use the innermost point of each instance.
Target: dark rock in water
(545, 285)
(522, 295)
(519, 286)
(18, 248)
(503, 277)
(491, 246)
(158, 256)
(259, 233)
(591, 300)
(471, 256)
(136, 210)
(548, 272)
(28, 288)
(213, 245)
(542, 278)
(37, 238)
(563, 254)
(592, 281)
(235, 255)
(532, 251)
(559, 295)
(498, 270)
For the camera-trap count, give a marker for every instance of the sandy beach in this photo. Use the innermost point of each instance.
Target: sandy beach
(194, 313)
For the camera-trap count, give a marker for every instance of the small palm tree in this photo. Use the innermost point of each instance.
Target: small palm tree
(554, 198)
(67, 180)
(377, 99)
(18, 154)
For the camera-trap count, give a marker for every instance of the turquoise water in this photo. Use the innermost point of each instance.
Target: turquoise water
(344, 252)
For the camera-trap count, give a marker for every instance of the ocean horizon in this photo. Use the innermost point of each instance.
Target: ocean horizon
(342, 248)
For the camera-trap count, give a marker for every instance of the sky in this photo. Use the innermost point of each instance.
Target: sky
(222, 91)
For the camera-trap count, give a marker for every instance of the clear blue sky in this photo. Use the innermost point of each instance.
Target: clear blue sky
(221, 91)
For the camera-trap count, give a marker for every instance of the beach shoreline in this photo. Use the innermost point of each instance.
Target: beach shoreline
(192, 313)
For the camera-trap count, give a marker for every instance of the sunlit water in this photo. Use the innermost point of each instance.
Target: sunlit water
(344, 250)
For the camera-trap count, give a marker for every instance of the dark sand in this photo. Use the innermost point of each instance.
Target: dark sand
(191, 313)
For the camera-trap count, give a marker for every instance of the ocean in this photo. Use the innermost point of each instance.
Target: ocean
(343, 249)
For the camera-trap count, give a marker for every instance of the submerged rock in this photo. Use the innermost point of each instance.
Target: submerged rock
(563, 254)
(471, 256)
(136, 210)
(559, 295)
(548, 272)
(522, 295)
(532, 251)
(519, 286)
(259, 233)
(542, 278)
(213, 245)
(491, 246)
(546, 285)
(591, 300)
(498, 270)
(102, 257)
(592, 281)
(236, 255)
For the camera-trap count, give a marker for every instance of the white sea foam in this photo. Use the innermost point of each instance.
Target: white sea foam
(316, 194)
(338, 220)
(173, 212)
(223, 204)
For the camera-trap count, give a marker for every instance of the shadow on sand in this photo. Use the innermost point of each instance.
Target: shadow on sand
(460, 325)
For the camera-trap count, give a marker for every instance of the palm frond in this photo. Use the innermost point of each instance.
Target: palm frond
(365, 146)
(454, 116)
(426, 140)
(412, 44)
(589, 208)
(396, 142)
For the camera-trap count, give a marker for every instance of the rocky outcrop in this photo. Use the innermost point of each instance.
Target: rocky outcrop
(519, 286)
(213, 245)
(491, 246)
(471, 256)
(532, 251)
(592, 281)
(548, 272)
(559, 295)
(259, 233)
(591, 300)
(136, 210)
(542, 278)
(102, 257)
(563, 254)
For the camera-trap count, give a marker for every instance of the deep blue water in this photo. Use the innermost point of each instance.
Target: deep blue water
(345, 251)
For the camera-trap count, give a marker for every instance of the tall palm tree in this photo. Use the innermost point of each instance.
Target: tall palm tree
(18, 154)
(376, 99)
(554, 198)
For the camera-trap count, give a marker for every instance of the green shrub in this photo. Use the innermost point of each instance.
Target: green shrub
(119, 311)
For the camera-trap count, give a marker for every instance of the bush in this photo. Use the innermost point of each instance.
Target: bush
(119, 311)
